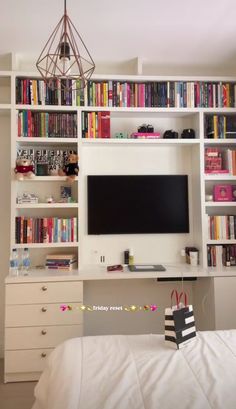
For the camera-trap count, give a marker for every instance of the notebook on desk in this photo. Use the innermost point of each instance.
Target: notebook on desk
(146, 267)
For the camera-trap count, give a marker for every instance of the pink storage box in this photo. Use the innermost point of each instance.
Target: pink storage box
(222, 193)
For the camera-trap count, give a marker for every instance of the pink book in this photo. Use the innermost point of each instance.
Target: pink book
(105, 125)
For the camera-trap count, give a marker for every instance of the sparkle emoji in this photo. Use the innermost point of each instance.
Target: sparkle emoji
(134, 308)
(82, 308)
(153, 307)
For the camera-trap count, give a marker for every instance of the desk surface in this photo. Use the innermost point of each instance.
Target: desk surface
(94, 272)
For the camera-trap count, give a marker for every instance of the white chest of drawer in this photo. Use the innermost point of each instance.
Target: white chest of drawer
(36, 322)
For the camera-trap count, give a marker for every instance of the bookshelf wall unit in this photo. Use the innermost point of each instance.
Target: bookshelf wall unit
(206, 105)
(165, 103)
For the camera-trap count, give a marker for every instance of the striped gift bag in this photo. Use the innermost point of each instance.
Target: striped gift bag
(179, 322)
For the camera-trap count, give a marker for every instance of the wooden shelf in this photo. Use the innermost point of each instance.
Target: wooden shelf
(220, 204)
(221, 241)
(46, 179)
(46, 205)
(59, 108)
(229, 141)
(134, 141)
(43, 245)
(219, 177)
(49, 141)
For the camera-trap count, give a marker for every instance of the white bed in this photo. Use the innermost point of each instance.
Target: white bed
(140, 372)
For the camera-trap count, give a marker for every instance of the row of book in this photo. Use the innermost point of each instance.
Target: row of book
(115, 93)
(61, 262)
(47, 124)
(96, 125)
(222, 227)
(38, 92)
(220, 161)
(179, 94)
(45, 230)
(220, 126)
(221, 256)
(54, 158)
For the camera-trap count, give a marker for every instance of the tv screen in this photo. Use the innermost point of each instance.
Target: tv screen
(137, 204)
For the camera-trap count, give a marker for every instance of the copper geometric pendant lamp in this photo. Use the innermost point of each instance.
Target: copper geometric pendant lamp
(65, 61)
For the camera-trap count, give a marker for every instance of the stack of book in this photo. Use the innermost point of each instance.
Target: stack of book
(96, 124)
(61, 262)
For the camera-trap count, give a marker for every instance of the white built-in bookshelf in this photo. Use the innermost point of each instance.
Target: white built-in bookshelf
(114, 156)
(124, 156)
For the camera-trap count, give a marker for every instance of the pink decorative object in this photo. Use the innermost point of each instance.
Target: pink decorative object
(222, 193)
(145, 135)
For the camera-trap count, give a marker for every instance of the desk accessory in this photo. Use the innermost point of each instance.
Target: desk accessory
(126, 257)
(146, 267)
(116, 267)
(170, 134)
(188, 134)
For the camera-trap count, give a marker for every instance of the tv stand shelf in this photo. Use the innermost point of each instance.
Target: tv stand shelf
(99, 272)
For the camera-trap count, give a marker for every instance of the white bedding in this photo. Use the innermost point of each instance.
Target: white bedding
(140, 372)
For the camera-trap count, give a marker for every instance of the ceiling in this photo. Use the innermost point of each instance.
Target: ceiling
(173, 36)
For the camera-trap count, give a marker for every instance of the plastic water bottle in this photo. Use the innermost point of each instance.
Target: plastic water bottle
(25, 260)
(14, 263)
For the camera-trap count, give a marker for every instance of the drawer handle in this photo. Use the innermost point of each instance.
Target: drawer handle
(44, 309)
(43, 332)
(44, 288)
(43, 355)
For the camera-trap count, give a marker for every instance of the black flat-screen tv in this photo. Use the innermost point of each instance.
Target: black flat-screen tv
(137, 204)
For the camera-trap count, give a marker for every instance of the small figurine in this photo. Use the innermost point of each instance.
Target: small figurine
(71, 169)
(24, 169)
(50, 199)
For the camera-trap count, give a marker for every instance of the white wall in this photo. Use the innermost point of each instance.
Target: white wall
(4, 213)
(148, 248)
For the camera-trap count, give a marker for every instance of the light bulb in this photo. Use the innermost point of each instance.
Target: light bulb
(64, 59)
(64, 67)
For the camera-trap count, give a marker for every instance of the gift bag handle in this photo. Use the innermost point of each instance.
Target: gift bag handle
(175, 292)
(183, 294)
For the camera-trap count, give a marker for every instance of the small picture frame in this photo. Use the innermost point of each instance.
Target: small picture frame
(222, 193)
(233, 192)
(42, 169)
(66, 192)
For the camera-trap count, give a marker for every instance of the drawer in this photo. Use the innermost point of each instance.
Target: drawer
(42, 314)
(40, 337)
(26, 361)
(33, 293)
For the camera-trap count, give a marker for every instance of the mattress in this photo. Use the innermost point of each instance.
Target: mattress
(140, 372)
